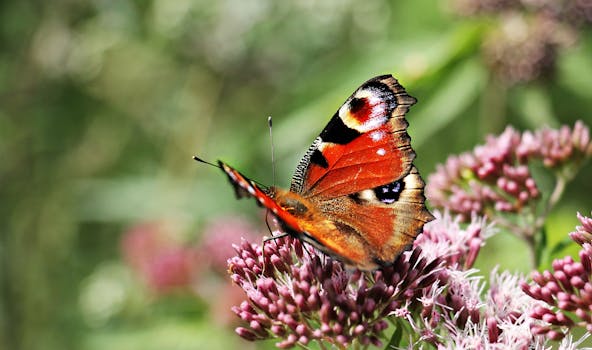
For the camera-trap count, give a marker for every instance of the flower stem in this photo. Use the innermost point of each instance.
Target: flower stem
(552, 201)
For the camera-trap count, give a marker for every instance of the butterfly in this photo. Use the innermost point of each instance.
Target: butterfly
(355, 194)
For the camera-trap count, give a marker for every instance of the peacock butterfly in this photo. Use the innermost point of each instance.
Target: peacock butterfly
(355, 195)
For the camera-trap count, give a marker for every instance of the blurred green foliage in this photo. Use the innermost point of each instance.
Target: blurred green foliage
(103, 103)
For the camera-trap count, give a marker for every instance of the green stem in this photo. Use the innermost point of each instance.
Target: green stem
(553, 200)
(534, 257)
(536, 240)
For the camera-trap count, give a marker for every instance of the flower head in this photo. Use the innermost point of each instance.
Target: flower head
(524, 48)
(492, 178)
(564, 147)
(566, 290)
(299, 295)
(456, 245)
(495, 177)
(464, 317)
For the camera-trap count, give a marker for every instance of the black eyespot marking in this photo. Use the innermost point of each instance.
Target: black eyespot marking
(356, 104)
(319, 159)
(388, 194)
(337, 132)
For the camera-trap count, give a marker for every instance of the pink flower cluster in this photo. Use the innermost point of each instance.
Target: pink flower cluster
(455, 312)
(495, 177)
(562, 149)
(566, 290)
(167, 265)
(576, 12)
(299, 295)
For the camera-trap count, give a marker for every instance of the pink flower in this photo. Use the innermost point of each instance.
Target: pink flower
(299, 296)
(463, 317)
(458, 246)
(219, 236)
(162, 263)
(525, 37)
(566, 290)
(495, 179)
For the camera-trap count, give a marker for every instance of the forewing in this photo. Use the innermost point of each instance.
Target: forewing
(244, 187)
(365, 144)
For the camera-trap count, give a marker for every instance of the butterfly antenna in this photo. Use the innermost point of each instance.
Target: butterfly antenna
(269, 123)
(198, 159)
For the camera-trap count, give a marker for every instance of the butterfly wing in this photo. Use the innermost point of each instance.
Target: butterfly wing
(360, 176)
(365, 144)
(355, 194)
(244, 187)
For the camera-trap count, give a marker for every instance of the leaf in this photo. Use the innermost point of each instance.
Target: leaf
(560, 246)
(396, 338)
(575, 71)
(534, 105)
(461, 88)
(540, 249)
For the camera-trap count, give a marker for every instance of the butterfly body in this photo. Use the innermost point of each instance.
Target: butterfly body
(355, 195)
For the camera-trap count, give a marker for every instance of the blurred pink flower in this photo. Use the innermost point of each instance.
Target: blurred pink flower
(163, 263)
(218, 238)
(525, 37)
(214, 249)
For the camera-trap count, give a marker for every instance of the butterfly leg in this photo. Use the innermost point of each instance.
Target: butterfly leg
(273, 238)
(268, 239)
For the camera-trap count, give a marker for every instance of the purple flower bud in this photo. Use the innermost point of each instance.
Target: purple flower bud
(246, 334)
(375, 341)
(288, 343)
(492, 329)
(554, 335)
(337, 329)
(369, 307)
(359, 330)
(342, 339)
(562, 278)
(301, 329)
(278, 330)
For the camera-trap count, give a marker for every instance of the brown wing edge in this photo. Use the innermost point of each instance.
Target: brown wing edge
(411, 214)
